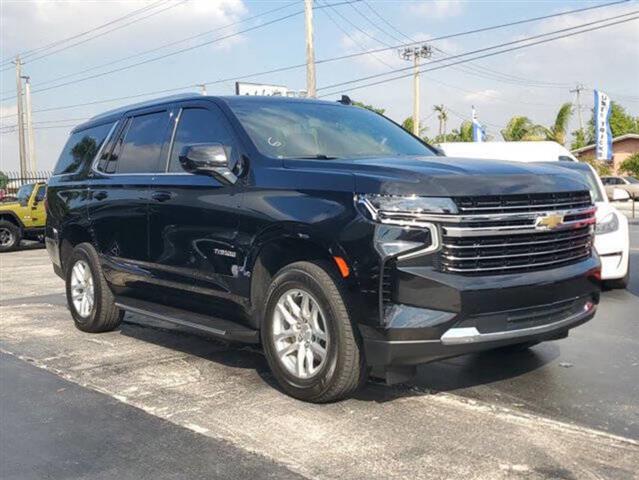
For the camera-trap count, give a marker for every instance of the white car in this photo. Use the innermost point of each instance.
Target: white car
(612, 240)
(513, 151)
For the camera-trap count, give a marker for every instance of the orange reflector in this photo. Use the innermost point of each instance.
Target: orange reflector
(342, 265)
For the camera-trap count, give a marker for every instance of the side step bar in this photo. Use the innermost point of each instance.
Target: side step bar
(218, 327)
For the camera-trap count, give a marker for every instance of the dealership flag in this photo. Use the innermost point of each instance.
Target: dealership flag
(479, 135)
(603, 133)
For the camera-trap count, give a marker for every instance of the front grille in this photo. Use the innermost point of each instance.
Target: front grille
(523, 203)
(504, 234)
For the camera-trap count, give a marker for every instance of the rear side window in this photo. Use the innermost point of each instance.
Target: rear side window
(81, 147)
(199, 125)
(141, 147)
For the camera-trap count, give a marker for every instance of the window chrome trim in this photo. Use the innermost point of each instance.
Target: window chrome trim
(144, 174)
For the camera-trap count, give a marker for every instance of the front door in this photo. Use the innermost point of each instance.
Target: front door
(193, 219)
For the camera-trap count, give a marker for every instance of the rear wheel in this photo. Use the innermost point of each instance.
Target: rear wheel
(89, 298)
(10, 236)
(308, 335)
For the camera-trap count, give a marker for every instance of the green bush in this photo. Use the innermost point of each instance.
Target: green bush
(631, 165)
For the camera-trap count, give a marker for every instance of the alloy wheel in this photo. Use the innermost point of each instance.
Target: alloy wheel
(300, 333)
(82, 292)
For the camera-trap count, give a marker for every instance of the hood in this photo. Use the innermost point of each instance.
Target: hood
(448, 177)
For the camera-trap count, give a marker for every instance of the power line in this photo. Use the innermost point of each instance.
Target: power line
(176, 52)
(169, 44)
(327, 60)
(343, 30)
(479, 57)
(28, 53)
(514, 42)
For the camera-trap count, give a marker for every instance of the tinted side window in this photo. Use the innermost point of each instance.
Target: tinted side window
(199, 125)
(142, 145)
(81, 147)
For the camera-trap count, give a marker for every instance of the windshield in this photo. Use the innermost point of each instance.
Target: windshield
(631, 179)
(24, 192)
(593, 185)
(324, 131)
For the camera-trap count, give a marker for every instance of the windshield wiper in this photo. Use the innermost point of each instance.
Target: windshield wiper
(320, 156)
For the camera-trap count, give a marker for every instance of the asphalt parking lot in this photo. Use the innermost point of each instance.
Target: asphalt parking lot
(148, 401)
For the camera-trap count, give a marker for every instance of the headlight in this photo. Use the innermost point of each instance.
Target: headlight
(609, 224)
(404, 210)
(406, 229)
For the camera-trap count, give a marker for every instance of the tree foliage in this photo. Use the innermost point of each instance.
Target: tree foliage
(370, 107)
(407, 125)
(4, 180)
(602, 168)
(631, 165)
(462, 134)
(557, 132)
(520, 128)
(621, 122)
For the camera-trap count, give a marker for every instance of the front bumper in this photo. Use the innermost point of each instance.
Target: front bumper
(439, 315)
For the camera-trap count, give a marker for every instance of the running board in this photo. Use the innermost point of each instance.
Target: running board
(218, 327)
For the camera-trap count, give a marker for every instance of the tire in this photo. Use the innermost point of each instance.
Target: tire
(10, 236)
(620, 283)
(342, 371)
(103, 315)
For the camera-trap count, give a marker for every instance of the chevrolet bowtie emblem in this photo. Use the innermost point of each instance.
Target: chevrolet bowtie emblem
(549, 222)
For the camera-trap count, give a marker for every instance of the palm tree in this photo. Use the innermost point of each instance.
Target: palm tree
(557, 133)
(442, 115)
(521, 128)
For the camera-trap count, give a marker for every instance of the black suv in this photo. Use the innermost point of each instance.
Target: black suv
(324, 231)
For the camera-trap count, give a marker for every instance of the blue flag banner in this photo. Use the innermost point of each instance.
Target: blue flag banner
(603, 133)
(479, 135)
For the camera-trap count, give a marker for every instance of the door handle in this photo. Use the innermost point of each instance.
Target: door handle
(100, 195)
(161, 196)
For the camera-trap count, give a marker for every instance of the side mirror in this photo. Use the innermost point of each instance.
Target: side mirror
(207, 159)
(619, 194)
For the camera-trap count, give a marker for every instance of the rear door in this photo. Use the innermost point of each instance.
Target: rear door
(119, 194)
(194, 218)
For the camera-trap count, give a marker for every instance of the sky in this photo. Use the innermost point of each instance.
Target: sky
(244, 38)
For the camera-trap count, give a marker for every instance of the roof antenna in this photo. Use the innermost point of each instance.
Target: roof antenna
(345, 100)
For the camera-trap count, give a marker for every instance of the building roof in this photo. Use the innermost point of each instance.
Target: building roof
(626, 136)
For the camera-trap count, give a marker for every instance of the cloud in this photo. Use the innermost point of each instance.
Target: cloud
(49, 21)
(438, 8)
(487, 95)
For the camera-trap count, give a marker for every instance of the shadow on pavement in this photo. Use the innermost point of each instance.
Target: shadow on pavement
(442, 376)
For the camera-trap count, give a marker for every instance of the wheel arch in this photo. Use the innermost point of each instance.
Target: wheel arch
(71, 236)
(10, 216)
(276, 250)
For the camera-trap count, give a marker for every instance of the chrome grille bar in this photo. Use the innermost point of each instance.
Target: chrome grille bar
(547, 231)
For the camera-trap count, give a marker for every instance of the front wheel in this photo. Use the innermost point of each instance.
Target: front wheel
(309, 338)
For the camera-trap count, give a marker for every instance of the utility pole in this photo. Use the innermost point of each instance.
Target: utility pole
(29, 121)
(202, 88)
(21, 139)
(310, 52)
(414, 54)
(577, 90)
